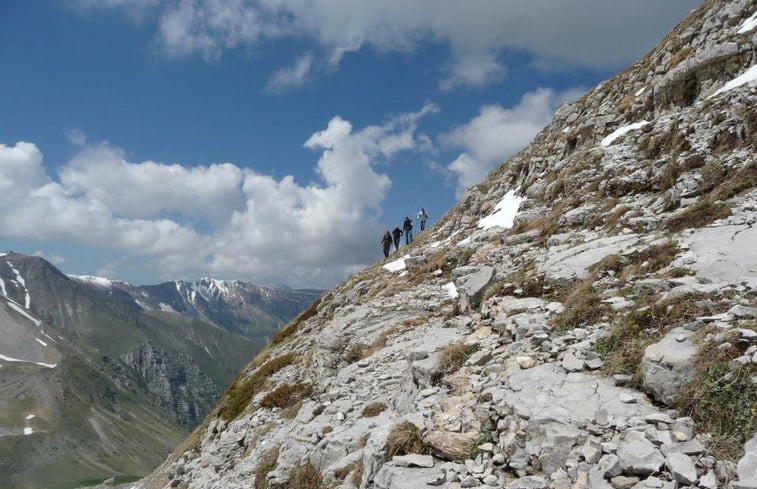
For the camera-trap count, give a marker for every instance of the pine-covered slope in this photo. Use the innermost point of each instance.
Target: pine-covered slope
(585, 317)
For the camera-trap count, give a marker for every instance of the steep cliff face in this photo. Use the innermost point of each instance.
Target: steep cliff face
(183, 389)
(585, 317)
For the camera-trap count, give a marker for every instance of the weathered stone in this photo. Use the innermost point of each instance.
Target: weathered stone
(525, 362)
(450, 446)
(668, 365)
(681, 467)
(638, 455)
(747, 466)
(571, 363)
(413, 460)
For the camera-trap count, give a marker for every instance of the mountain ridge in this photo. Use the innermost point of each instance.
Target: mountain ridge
(84, 367)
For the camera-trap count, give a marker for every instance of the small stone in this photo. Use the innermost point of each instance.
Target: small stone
(627, 398)
(413, 460)
(623, 482)
(571, 363)
(621, 379)
(491, 480)
(469, 481)
(708, 481)
(594, 363)
(438, 480)
(525, 362)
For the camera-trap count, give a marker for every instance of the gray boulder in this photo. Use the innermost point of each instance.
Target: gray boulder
(638, 455)
(668, 365)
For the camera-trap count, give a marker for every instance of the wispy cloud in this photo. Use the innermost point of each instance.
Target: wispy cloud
(291, 77)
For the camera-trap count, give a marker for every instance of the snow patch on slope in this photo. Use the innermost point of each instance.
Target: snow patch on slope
(748, 24)
(749, 76)
(504, 213)
(91, 279)
(621, 131)
(11, 359)
(396, 265)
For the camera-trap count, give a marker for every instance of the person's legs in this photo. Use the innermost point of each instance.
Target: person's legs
(410, 235)
(423, 225)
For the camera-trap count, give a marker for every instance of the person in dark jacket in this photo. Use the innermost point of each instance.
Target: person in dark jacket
(396, 233)
(407, 227)
(387, 242)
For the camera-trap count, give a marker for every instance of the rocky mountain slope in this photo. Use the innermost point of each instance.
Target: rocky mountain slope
(585, 317)
(95, 384)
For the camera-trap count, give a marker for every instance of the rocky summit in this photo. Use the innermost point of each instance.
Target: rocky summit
(586, 317)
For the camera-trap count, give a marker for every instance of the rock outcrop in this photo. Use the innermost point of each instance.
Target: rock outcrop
(515, 356)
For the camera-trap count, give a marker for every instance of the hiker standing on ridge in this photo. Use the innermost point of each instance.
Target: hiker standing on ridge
(422, 218)
(396, 233)
(387, 242)
(407, 227)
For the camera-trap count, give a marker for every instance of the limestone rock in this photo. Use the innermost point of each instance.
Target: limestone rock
(638, 455)
(668, 365)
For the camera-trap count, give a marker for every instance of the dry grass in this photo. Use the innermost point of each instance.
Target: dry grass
(404, 438)
(240, 392)
(286, 395)
(698, 215)
(451, 358)
(266, 464)
(679, 56)
(373, 409)
(357, 475)
(306, 476)
(289, 330)
(360, 351)
(650, 260)
(721, 399)
(341, 473)
(581, 306)
(614, 217)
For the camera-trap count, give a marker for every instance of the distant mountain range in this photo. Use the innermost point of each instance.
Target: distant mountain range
(101, 378)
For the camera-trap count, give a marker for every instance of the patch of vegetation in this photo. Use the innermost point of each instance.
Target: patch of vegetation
(698, 215)
(306, 476)
(341, 473)
(614, 217)
(291, 411)
(451, 358)
(581, 306)
(289, 330)
(651, 259)
(286, 395)
(403, 439)
(373, 409)
(721, 399)
(266, 464)
(360, 350)
(240, 392)
(357, 475)
(623, 347)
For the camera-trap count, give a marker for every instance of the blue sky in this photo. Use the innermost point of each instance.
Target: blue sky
(274, 141)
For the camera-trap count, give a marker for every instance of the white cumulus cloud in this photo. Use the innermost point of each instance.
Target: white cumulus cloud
(253, 227)
(497, 133)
